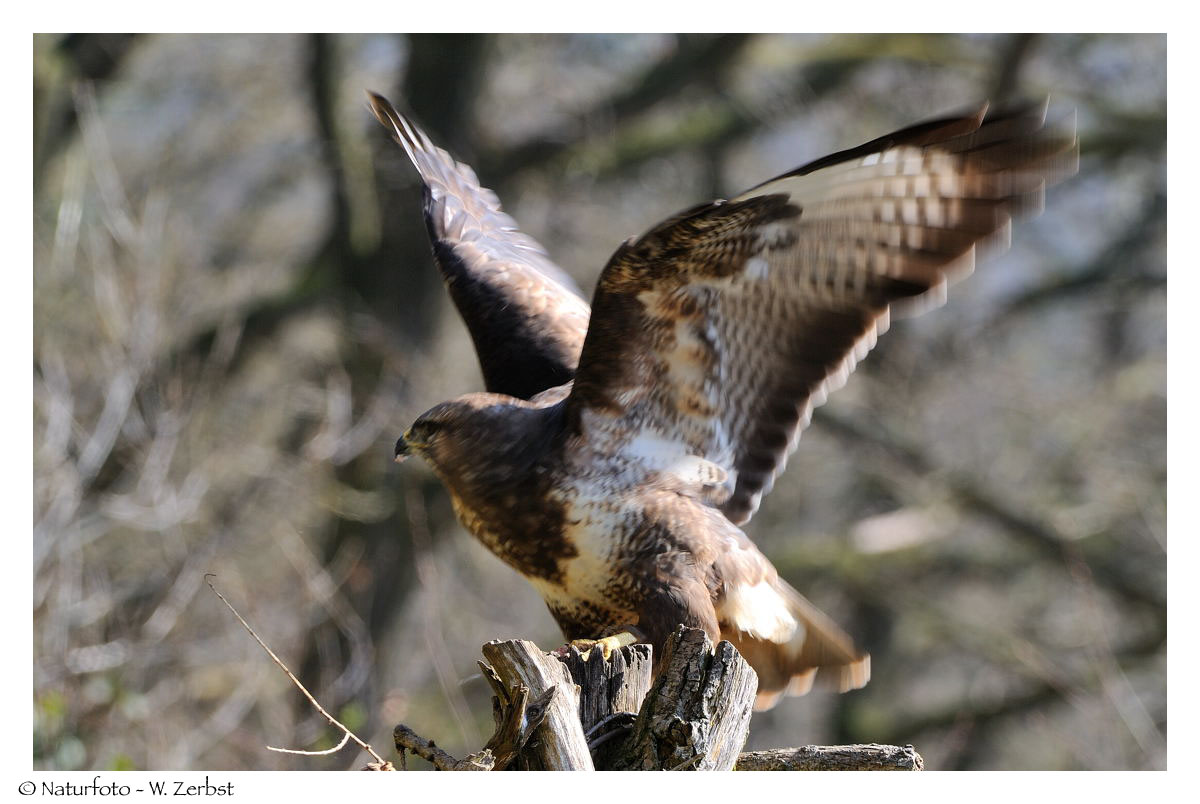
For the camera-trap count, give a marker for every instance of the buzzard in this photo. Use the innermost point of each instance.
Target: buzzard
(618, 449)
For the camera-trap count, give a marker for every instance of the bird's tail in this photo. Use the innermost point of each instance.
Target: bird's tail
(789, 659)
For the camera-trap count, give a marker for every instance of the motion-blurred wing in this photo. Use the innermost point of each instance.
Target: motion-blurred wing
(524, 313)
(717, 333)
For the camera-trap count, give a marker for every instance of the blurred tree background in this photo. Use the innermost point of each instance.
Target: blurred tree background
(236, 313)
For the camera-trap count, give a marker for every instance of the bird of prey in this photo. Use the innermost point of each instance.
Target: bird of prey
(619, 448)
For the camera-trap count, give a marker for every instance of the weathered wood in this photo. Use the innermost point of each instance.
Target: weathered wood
(609, 686)
(558, 743)
(408, 740)
(697, 714)
(834, 757)
(517, 720)
(610, 695)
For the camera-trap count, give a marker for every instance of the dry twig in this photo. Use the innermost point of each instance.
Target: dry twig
(349, 735)
(409, 740)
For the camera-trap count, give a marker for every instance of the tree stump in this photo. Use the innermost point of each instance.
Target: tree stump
(564, 711)
(610, 696)
(697, 715)
(556, 742)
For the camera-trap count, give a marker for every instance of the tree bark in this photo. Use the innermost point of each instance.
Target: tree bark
(697, 714)
(611, 692)
(561, 711)
(558, 742)
(833, 757)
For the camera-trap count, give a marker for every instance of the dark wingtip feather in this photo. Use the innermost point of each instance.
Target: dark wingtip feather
(382, 108)
(411, 138)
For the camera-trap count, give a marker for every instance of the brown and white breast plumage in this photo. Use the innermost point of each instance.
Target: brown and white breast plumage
(710, 341)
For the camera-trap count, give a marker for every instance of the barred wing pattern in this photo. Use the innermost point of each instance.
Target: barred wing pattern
(715, 334)
(525, 317)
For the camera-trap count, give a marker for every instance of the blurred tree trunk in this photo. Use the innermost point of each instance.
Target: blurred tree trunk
(394, 281)
(86, 58)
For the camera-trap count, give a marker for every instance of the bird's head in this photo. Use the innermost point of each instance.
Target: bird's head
(435, 433)
(475, 437)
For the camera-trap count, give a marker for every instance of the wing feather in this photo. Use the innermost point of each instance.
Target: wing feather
(722, 328)
(524, 313)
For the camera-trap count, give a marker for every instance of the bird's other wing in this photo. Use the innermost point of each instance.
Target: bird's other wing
(717, 333)
(525, 315)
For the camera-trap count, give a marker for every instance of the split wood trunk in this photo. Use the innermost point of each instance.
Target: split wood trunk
(568, 711)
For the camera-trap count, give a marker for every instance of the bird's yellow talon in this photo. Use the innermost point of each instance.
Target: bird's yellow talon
(606, 645)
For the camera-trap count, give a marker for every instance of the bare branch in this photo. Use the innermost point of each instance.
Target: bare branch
(833, 757)
(1013, 56)
(696, 60)
(409, 740)
(332, 720)
(977, 498)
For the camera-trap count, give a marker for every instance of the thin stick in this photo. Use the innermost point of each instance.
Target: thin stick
(326, 752)
(332, 720)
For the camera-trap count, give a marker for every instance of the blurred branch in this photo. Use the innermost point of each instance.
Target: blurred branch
(944, 50)
(711, 126)
(364, 274)
(1119, 133)
(1118, 263)
(1043, 673)
(432, 624)
(972, 496)
(96, 56)
(372, 278)
(322, 77)
(441, 83)
(325, 591)
(695, 60)
(1012, 57)
(82, 57)
(1040, 695)
(1113, 679)
(721, 120)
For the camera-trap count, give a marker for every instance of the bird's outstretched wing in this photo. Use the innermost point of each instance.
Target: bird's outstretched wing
(524, 313)
(717, 332)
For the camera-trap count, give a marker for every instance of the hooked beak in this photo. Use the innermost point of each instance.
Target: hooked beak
(403, 450)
